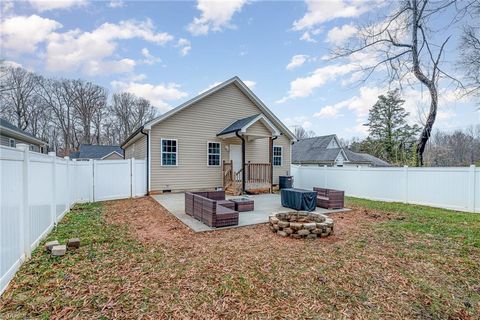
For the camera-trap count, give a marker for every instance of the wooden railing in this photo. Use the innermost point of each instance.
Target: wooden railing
(258, 172)
(227, 173)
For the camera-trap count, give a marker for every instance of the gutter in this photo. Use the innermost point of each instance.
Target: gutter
(147, 158)
(271, 163)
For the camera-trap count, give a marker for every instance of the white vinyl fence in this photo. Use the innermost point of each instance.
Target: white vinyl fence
(449, 188)
(37, 190)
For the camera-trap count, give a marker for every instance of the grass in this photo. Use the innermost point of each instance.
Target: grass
(439, 223)
(385, 261)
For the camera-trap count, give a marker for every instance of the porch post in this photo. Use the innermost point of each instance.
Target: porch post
(243, 160)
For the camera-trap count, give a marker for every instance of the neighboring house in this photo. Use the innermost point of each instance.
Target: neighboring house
(326, 151)
(223, 138)
(11, 135)
(97, 152)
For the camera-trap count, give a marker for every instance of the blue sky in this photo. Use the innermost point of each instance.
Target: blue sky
(168, 52)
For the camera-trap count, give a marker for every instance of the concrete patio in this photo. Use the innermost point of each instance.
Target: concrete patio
(265, 205)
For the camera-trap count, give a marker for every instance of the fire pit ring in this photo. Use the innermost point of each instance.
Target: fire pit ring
(301, 224)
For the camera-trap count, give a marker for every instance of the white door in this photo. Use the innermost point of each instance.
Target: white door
(236, 156)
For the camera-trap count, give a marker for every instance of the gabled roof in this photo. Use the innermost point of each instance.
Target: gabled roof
(7, 127)
(315, 150)
(242, 86)
(243, 124)
(91, 151)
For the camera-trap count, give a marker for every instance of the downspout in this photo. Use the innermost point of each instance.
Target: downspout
(147, 158)
(243, 159)
(271, 162)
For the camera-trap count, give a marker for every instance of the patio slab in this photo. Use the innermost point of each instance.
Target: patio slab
(265, 205)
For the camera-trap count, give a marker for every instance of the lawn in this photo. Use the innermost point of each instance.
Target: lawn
(385, 261)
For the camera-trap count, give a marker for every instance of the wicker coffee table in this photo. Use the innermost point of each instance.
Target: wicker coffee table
(243, 204)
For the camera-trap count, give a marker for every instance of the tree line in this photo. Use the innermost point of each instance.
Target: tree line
(69, 112)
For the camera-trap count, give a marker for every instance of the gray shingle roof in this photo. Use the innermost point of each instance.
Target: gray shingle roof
(314, 150)
(237, 125)
(5, 124)
(91, 151)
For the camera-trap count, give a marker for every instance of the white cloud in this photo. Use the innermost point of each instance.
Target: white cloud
(95, 67)
(184, 45)
(116, 4)
(158, 94)
(303, 87)
(319, 12)
(327, 112)
(75, 49)
(215, 15)
(307, 35)
(297, 61)
(293, 122)
(149, 58)
(249, 83)
(338, 36)
(22, 34)
(46, 5)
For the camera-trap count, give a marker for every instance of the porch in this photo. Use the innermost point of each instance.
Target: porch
(265, 205)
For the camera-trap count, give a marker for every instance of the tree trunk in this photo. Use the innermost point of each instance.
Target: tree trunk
(427, 129)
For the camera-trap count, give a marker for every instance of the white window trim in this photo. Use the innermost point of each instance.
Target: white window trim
(220, 158)
(10, 142)
(161, 153)
(273, 156)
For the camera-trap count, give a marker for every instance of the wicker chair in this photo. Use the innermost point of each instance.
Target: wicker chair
(211, 208)
(329, 198)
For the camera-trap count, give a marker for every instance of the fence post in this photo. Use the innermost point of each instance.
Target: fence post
(405, 173)
(53, 205)
(471, 188)
(132, 177)
(25, 215)
(69, 187)
(94, 165)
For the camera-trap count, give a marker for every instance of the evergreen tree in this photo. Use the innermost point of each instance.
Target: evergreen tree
(390, 136)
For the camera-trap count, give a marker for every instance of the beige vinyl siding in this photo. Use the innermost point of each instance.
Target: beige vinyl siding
(5, 141)
(137, 150)
(284, 169)
(258, 128)
(192, 127)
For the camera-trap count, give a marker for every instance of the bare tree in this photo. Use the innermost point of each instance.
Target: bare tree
(470, 51)
(302, 133)
(404, 43)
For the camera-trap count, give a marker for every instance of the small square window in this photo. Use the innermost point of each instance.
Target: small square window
(169, 152)
(213, 153)
(12, 143)
(277, 155)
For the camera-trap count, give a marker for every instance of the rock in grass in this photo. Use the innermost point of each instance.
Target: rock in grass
(58, 251)
(73, 243)
(50, 244)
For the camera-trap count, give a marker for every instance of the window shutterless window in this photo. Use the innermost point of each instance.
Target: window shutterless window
(12, 143)
(277, 155)
(213, 153)
(169, 152)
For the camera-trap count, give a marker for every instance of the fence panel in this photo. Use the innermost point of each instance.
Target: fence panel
(112, 179)
(449, 188)
(37, 190)
(11, 213)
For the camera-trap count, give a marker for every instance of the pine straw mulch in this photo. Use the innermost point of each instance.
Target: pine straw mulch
(151, 266)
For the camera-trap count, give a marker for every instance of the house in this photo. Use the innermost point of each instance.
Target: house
(225, 138)
(11, 135)
(326, 150)
(97, 152)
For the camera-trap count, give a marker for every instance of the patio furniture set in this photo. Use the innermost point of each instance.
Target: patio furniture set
(211, 207)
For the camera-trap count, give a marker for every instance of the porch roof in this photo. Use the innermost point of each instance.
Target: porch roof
(243, 124)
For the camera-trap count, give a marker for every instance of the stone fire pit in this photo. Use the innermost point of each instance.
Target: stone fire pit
(301, 224)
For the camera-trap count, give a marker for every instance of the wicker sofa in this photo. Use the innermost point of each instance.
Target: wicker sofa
(211, 208)
(329, 198)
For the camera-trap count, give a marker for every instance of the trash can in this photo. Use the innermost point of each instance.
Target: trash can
(285, 182)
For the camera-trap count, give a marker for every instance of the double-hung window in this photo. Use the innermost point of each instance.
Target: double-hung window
(213, 153)
(277, 155)
(169, 152)
(12, 143)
